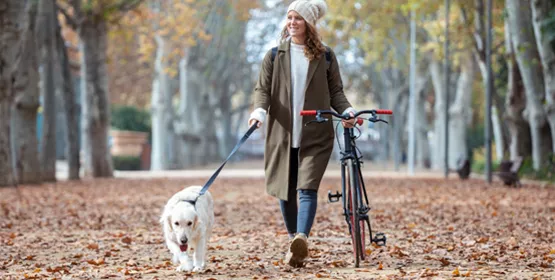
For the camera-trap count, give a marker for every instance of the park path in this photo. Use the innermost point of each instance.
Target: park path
(436, 228)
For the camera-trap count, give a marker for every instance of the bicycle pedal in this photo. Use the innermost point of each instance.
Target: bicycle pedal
(334, 197)
(380, 239)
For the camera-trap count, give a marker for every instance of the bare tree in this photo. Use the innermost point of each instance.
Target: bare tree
(91, 21)
(26, 103)
(11, 14)
(70, 107)
(515, 102)
(460, 112)
(540, 12)
(48, 57)
(524, 45)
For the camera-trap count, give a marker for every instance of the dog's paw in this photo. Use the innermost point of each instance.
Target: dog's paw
(184, 267)
(198, 268)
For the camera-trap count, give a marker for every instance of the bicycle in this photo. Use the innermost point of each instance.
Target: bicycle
(355, 202)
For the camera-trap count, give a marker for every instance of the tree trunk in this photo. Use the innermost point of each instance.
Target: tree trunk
(423, 159)
(526, 54)
(439, 116)
(540, 12)
(161, 109)
(11, 13)
(187, 127)
(422, 155)
(24, 114)
(497, 134)
(94, 90)
(48, 90)
(70, 108)
(515, 102)
(460, 112)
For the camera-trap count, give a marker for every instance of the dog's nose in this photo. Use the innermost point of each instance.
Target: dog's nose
(183, 240)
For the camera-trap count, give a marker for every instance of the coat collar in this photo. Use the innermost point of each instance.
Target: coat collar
(285, 62)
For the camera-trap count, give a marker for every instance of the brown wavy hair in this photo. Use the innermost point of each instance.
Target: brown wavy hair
(314, 49)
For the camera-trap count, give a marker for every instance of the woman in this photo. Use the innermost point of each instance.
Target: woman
(298, 76)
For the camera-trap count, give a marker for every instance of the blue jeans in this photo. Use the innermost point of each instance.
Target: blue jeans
(298, 219)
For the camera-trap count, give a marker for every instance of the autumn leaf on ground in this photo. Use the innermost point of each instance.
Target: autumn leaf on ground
(456, 272)
(444, 262)
(249, 238)
(126, 240)
(96, 262)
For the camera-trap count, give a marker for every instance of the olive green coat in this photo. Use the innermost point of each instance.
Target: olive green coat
(324, 90)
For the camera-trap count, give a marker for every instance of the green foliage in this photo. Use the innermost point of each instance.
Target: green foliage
(126, 162)
(548, 28)
(130, 118)
(546, 173)
(475, 136)
(479, 166)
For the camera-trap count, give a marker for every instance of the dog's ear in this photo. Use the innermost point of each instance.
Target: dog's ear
(167, 221)
(196, 222)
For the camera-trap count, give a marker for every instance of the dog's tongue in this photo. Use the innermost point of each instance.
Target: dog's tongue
(183, 248)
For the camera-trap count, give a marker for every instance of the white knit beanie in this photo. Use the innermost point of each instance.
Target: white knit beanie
(310, 10)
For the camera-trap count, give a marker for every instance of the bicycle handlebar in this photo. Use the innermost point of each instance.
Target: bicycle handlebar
(345, 117)
(319, 113)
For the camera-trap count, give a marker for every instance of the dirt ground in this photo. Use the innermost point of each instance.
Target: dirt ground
(436, 229)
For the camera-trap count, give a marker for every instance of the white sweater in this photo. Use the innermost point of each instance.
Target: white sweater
(299, 72)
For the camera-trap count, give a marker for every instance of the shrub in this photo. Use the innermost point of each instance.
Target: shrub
(126, 163)
(130, 118)
(546, 173)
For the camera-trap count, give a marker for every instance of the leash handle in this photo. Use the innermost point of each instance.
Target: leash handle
(245, 137)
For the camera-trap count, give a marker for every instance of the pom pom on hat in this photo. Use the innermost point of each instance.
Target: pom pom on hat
(310, 10)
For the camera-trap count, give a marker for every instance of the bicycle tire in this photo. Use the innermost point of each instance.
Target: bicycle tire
(364, 222)
(354, 214)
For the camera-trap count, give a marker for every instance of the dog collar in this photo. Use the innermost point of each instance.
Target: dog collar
(192, 202)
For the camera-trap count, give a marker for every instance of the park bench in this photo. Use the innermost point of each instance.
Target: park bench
(508, 172)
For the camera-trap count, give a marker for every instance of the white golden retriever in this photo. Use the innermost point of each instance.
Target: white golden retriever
(187, 227)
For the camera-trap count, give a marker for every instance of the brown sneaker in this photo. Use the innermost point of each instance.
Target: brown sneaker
(298, 251)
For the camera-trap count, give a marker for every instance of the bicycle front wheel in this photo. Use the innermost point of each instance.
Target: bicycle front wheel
(355, 221)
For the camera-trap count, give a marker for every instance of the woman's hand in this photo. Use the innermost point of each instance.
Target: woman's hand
(349, 123)
(253, 120)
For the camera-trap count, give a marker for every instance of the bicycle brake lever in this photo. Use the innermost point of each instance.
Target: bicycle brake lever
(380, 120)
(317, 120)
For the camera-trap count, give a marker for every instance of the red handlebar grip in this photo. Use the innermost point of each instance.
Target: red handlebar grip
(308, 113)
(384, 112)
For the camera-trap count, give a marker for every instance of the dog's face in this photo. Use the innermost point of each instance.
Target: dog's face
(183, 220)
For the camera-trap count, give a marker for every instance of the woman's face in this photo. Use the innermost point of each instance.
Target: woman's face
(296, 25)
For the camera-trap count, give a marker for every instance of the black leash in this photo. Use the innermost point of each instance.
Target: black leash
(211, 180)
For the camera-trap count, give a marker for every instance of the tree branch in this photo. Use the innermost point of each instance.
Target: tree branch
(70, 20)
(76, 4)
(124, 5)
